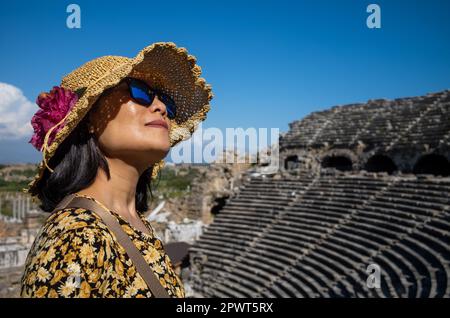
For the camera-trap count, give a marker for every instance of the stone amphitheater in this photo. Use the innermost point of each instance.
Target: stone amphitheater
(358, 184)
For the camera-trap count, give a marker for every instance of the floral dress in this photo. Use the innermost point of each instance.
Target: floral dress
(75, 255)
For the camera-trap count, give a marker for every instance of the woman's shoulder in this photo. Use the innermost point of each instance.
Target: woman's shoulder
(65, 230)
(71, 240)
(71, 228)
(71, 224)
(73, 219)
(72, 214)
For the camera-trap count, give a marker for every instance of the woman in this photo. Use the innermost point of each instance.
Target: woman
(103, 134)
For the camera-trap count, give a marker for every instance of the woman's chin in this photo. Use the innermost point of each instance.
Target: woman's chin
(159, 150)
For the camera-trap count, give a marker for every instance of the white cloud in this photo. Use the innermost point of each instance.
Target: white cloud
(15, 113)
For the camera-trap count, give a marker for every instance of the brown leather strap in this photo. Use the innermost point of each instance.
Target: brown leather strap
(72, 201)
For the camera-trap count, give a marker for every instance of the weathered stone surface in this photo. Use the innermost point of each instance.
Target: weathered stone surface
(313, 229)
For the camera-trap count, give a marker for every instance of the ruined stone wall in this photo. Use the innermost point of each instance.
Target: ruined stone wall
(403, 130)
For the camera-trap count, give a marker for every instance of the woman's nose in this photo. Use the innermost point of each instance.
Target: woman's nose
(158, 106)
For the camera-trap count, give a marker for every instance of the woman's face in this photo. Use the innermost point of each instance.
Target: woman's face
(119, 124)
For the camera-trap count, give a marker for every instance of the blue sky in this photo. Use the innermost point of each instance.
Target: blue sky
(269, 62)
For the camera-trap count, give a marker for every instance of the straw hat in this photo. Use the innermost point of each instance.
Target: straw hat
(163, 64)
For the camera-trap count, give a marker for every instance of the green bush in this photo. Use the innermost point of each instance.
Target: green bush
(171, 185)
(12, 185)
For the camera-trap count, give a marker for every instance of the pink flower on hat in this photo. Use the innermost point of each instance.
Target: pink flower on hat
(54, 105)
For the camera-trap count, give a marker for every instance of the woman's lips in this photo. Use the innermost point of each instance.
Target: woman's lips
(158, 124)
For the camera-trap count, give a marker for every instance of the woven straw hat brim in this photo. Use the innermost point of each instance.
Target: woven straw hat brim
(163, 64)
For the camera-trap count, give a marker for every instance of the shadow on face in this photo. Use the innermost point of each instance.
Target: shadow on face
(119, 124)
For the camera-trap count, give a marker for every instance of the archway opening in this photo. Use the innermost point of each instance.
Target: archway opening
(380, 163)
(291, 162)
(218, 205)
(341, 163)
(433, 164)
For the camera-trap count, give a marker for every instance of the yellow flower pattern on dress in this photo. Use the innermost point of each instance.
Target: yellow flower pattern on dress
(75, 255)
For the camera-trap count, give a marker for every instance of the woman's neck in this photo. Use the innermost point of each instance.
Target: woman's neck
(119, 192)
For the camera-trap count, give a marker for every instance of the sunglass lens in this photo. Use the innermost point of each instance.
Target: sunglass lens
(144, 95)
(141, 93)
(170, 105)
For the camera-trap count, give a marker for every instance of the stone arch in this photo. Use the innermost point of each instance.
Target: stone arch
(291, 162)
(434, 164)
(338, 162)
(380, 163)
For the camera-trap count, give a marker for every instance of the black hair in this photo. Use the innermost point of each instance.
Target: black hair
(75, 165)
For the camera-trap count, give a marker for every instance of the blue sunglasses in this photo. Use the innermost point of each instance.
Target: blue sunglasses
(144, 95)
